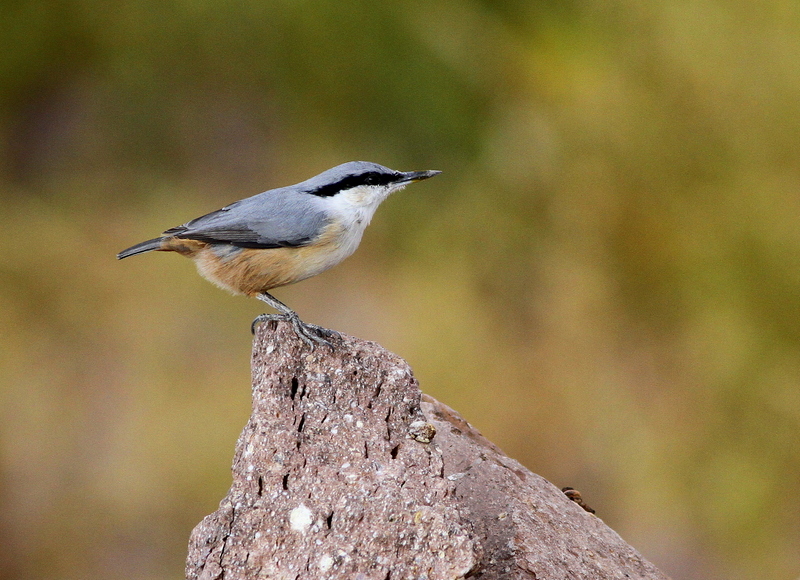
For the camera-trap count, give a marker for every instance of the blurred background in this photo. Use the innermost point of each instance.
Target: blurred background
(604, 280)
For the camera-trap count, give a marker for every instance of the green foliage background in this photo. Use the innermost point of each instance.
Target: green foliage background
(604, 279)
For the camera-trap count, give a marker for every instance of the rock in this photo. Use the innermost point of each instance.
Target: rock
(346, 471)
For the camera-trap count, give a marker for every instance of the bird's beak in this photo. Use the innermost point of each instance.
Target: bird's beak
(418, 175)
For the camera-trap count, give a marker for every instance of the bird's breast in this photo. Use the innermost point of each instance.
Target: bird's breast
(251, 271)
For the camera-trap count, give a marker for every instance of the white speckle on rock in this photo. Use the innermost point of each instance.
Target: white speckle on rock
(251, 467)
(300, 519)
(360, 424)
(348, 418)
(325, 563)
(270, 348)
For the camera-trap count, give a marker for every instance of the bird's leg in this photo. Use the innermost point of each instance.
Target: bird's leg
(308, 333)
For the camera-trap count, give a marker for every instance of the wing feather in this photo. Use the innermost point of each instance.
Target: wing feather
(273, 219)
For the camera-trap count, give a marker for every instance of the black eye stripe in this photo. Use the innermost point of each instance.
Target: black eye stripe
(366, 178)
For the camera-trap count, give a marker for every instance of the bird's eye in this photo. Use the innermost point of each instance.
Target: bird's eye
(370, 180)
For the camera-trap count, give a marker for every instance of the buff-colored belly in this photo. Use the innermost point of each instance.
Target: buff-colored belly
(251, 271)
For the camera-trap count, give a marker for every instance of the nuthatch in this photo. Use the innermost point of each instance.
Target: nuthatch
(284, 235)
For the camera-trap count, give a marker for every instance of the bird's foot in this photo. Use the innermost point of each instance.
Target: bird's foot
(308, 333)
(318, 334)
(265, 318)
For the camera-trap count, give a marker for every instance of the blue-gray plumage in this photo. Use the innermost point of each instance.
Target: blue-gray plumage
(285, 235)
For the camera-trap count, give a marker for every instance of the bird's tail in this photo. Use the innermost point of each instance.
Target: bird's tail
(141, 248)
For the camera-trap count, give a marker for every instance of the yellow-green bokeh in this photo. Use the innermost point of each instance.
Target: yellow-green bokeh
(605, 279)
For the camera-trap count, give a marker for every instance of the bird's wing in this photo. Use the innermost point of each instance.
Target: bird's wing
(272, 219)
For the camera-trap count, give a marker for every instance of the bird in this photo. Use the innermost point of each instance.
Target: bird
(284, 235)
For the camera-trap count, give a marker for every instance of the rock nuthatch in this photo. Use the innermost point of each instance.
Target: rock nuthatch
(284, 235)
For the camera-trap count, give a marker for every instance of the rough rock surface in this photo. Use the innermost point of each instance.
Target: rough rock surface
(346, 471)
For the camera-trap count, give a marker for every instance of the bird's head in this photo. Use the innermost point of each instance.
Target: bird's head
(361, 183)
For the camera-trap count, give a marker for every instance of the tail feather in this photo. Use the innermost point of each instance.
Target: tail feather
(141, 248)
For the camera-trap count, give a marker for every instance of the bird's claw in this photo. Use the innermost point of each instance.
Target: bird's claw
(308, 333)
(264, 318)
(311, 333)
